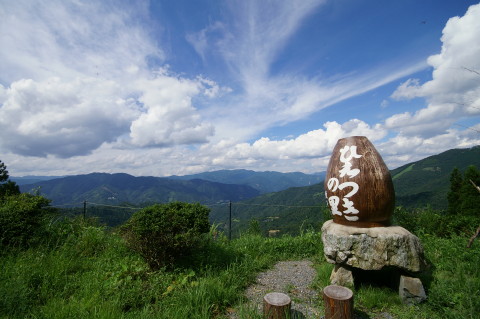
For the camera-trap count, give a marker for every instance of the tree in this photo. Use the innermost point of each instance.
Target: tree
(470, 201)
(453, 196)
(7, 187)
(254, 227)
(21, 219)
(3, 173)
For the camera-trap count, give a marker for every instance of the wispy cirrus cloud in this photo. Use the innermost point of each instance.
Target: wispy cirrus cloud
(249, 40)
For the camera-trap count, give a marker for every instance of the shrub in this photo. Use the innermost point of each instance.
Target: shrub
(21, 219)
(163, 233)
(435, 223)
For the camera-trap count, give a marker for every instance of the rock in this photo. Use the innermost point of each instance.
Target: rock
(411, 290)
(341, 276)
(372, 248)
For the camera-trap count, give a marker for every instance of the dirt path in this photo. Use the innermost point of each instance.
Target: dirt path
(293, 278)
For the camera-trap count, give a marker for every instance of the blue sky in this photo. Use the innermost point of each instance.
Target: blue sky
(178, 87)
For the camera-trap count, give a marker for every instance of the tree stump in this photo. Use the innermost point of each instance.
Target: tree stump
(276, 305)
(338, 302)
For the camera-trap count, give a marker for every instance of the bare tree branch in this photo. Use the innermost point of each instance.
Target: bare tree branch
(474, 71)
(474, 185)
(470, 242)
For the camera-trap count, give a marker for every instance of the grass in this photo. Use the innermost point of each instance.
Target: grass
(408, 169)
(92, 274)
(86, 271)
(452, 284)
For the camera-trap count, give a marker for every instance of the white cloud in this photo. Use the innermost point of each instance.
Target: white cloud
(62, 118)
(169, 117)
(76, 75)
(407, 90)
(69, 39)
(402, 149)
(454, 91)
(314, 144)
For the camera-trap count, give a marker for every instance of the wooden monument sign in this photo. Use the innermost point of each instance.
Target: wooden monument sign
(358, 185)
(359, 191)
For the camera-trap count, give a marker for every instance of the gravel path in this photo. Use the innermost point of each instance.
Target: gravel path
(293, 278)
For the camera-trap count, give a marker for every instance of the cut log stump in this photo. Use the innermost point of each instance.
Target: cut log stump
(338, 302)
(276, 305)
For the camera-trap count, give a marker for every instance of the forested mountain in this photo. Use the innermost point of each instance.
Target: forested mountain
(419, 184)
(123, 188)
(205, 187)
(426, 182)
(286, 211)
(25, 180)
(265, 182)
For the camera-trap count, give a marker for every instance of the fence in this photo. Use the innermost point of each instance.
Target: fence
(232, 218)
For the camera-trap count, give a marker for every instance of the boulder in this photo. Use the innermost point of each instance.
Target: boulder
(411, 290)
(342, 276)
(372, 248)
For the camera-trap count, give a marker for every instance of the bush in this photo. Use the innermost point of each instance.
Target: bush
(21, 219)
(428, 221)
(163, 233)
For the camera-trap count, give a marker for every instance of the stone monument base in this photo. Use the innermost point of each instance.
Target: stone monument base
(350, 248)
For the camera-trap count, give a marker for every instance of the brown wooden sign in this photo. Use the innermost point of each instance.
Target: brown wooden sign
(358, 185)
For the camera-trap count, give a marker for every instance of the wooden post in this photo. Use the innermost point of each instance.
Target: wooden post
(338, 302)
(276, 305)
(230, 220)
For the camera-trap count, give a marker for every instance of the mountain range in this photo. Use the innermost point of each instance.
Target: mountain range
(274, 198)
(264, 182)
(116, 189)
(208, 187)
(418, 184)
(427, 182)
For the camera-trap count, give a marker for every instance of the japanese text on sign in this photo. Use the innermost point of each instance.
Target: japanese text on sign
(347, 153)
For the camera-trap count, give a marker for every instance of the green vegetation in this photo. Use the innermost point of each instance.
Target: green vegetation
(463, 197)
(82, 270)
(7, 187)
(166, 261)
(469, 196)
(276, 211)
(21, 219)
(408, 169)
(453, 196)
(426, 182)
(163, 233)
(117, 189)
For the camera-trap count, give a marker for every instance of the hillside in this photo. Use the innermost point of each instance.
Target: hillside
(115, 189)
(276, 211)
(427, 182)
(265, 182)
(418, 184)
(25, 180)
